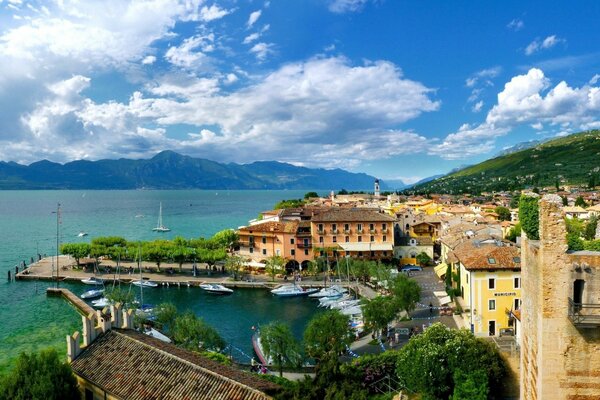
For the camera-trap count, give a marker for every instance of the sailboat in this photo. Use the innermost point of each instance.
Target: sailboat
(159, 226)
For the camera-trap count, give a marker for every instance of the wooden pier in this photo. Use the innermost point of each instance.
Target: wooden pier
(78, 303)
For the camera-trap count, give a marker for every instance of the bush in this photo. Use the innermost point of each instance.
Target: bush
(529, 216)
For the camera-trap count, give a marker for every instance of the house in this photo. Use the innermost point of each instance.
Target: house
(576, 212)
(115, 362)
(408, 248)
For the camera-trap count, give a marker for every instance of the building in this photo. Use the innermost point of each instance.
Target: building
(560, 318)
(115, 362)
(487, 273)
(355, 232)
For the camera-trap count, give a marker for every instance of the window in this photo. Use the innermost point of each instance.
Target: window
(360, 238)
(360, 253)
(517, 283)
(347, 238)
(372, 238)
(371, 227)
(359, 227)
(517, 304)
(346, 227)
(305, 242)
(385, 253)
(320, 227)
(492, 260)
(264, 239)
(384, 227)
(492, 283)
(293, 252)
(467, 278)
(384, 239)
(305, 252)
(334, 239)
(292, 241)
(277, 253)
(334, 227)
(251, 250)
(491, 304)
(517, 259)
(264, 252)
(372, 254)
(320, 239)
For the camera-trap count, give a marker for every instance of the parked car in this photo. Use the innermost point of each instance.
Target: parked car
(410, 268)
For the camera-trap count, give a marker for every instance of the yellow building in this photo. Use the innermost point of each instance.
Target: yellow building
(488, 275)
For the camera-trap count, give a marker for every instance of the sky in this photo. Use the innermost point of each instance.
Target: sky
(397, 89)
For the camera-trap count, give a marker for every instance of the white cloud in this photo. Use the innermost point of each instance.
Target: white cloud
(262, 50)
(547, 43)
(149, 60)
(594, 79)
(527, 99)
(251, 38)
(516, 24)
(344, 6)
(478, 81)
(185, 55)
(477, 106)
(212, 13)
(254, 16)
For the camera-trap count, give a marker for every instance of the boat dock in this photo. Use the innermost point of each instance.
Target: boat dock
(78, 303)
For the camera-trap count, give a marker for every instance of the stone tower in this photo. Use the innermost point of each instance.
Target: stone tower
(560, 316)
(377, 193)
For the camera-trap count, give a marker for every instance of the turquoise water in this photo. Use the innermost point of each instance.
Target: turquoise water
(31, 321)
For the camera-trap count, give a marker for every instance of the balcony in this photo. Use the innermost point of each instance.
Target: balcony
(584, 315)
(304, 245)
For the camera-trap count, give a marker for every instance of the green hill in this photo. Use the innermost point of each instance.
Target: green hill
(574, 160)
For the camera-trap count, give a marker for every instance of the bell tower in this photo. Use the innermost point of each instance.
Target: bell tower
(376, 188)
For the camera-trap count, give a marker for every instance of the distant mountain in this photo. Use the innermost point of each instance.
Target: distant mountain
(394, 184)
(428, 179)
(573, 159)
(519, 147)
(170, 170)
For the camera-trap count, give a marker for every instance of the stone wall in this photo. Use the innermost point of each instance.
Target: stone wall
(558, 359)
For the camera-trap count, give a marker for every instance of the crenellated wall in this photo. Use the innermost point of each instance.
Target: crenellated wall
(559, 359)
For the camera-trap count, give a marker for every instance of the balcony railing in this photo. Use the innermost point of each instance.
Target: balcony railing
(304, 245)
(584, 315)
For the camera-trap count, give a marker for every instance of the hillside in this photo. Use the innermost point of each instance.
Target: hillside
(169, 170)
(573, 159)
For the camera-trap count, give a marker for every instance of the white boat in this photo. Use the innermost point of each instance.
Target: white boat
(331, 291)
(146, 284)
(82, 234)
(327, 301)
(340, 305)
(352, 311)
(156, 334)
(293, 290)
(101, 303)
(215, 288)
(92, 294)
(92, 280)
(159, 226)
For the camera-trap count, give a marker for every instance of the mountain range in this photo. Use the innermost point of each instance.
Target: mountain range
(170, 170)
(573, 160)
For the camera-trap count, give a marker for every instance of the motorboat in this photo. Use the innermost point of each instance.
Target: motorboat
(156, 334)
(82, 234)
(339, 305)
(92, 294)
(92, 280)
(352, 311)
(327, 301)
(101, 303)
(258, 349)
(293, 290)
(215, 288)
(331, 291)
(145, 284)
(159, 226)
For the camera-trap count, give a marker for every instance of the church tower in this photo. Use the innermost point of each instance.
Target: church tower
(377, 188)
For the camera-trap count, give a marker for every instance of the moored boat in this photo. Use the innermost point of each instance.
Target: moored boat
(82, 234)
(92, 294)
(327, 301)
(101, 303)
(293, 290)
(92, 280)
(340, 305)
(144, 283)
(215, 288)
(158, 335)
(332, 291)
(258, 349)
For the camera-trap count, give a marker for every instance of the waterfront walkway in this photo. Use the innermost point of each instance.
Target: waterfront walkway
(79, 304)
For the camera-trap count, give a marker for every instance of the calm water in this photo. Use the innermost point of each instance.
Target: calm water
(31, 321)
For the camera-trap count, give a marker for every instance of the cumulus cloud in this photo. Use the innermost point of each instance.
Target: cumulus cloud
(251, 38)
(254, 16)
(527, 99)
(344, 6)
(149, 60)
(186, 54)
(547, 43)
(477, 106)
(262, 50)
(516, 25)
(212, 13)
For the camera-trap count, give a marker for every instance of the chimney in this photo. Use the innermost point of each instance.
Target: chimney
(103, 321)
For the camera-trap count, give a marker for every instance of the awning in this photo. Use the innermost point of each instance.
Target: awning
(366, 246)
(254, 264)
(445, 300)
(441, 269)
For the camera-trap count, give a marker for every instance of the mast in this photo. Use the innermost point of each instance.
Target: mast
(57, 242)
(159, 225)
(141, 279)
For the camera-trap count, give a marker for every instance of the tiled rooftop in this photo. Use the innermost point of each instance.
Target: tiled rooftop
(133, 366)
(352, 215)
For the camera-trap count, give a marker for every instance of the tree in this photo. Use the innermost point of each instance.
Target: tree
(423, 259)
(406, 292)
(195, 334)
(580, 202)
(280, 345)
(76, 250)
(565, 201)
(181, 254)
(234, 265)
(327, 335)
(590, 228)
(227, 238)
(166, 313)
(472, 386)
(310, 195)
(39, 376)
(379, 312)
(293, 203)
(514, 201)
(274, 265)
(514, 232)
(118, 295)
(156, 251)
(503, 213)
(529, 216)
(109, 241)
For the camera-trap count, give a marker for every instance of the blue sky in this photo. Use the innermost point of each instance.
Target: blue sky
(397, 89)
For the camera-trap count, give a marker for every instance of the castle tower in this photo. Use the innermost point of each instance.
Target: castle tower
(560, 315)
(377, 193)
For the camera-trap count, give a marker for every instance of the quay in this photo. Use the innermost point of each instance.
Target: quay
(79, 304)
(69, 272)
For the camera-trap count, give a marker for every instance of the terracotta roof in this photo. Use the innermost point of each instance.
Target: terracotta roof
(352, 215)
(133, 366)
(272, 226)
(475, 255)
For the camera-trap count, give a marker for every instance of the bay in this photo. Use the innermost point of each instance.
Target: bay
(29, 321)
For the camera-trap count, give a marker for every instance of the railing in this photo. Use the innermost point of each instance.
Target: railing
(304, 245)
(584, 315)
(299, 234)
